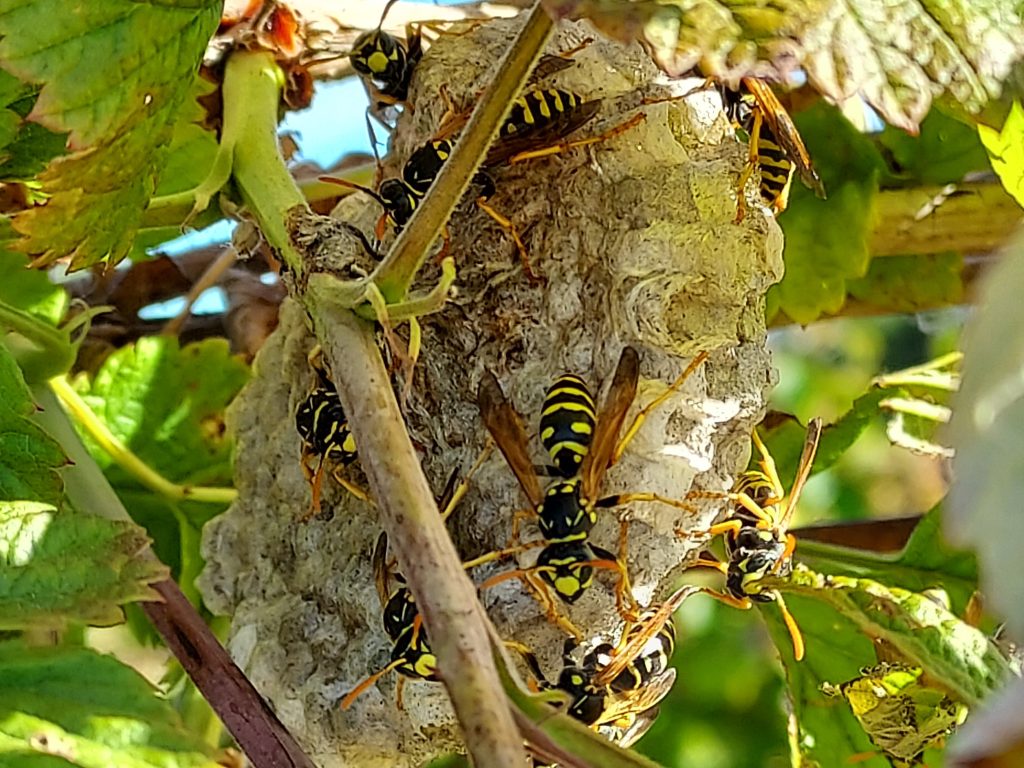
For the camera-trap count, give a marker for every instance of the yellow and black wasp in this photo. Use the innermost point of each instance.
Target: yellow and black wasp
(321, 423)
(757, 541)
(411, 655)
(385, 62)
(410, 652)
(616, 689)
(776, 148)
(567, 511)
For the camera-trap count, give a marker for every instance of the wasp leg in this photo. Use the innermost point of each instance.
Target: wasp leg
(498, 554)
(625, 498)
(354, 694)
(566, 146)
(540, 593)
(399, 689)
(462, 488)
(357, 491)
(315, 480)
(625, 603)
(506, 224)
(770, 470)
(748, 170)
(641, 416)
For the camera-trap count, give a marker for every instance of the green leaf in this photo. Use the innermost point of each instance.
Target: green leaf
(1006, 151)
(899, 56)
(57, 567)
(114, 76)
(820, 257)
(945, 151)
(29, 457)
(25, 147)
(983, 509)
(835, 650)
(166, 403)
(91, 710)
(30, 290)
(908, 284)
(957, 656)
(927, 561)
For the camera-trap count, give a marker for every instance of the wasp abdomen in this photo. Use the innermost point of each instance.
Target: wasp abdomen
(567, 423)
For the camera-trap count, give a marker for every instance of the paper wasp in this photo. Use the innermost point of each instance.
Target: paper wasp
(411, 655)
(757, 541)
(321, 423)
(567, 511)
(616, 689)
(775, 146)
(385, 62)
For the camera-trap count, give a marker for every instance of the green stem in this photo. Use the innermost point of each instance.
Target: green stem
(396, 273)
(119, 452)
(50, 346)
(252, 86)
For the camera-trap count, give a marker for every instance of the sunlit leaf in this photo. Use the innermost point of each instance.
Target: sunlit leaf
(910, 283)
(1006, 151)
(90, 710)
(944, 151)
(166, 403)
(114, 75)
(29, 457)
(899, 56)
(57, 567)
(820, 257)
(30, 290)
(983, 509)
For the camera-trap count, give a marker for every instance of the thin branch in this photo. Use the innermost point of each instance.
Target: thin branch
(240, 707)
(974, 217)
(208, 279)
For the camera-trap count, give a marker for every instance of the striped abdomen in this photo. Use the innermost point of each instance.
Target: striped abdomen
(320, 422)
(537, 109)
(567, 423)
(776, 168)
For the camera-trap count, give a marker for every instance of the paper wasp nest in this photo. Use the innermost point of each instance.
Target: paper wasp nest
(637, 243)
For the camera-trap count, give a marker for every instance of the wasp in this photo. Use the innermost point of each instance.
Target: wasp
(321, 423)
(385, 62)
(775, 146)
(757, 541)
(616, 689)
(567, 510)
(411, 655)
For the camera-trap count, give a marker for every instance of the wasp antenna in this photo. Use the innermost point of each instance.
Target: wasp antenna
(352, 185)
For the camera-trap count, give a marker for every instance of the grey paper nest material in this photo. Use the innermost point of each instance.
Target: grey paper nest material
(637, 242)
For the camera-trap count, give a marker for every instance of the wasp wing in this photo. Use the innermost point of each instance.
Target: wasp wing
(628, 715)
(547, 133)
(625, 656)
(785, 131)
(609, 422)
(381, 576)
(507, 430)
(803, 471)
